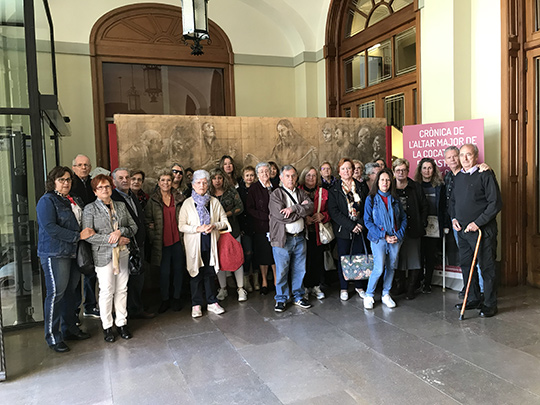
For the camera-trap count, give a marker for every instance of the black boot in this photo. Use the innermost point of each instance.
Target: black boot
(399, 286)
(412, 283)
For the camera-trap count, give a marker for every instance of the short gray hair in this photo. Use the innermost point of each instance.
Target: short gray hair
(454, 148)
(369, 167)
(473, 146)
(200, 174)
(287, 168)
(113, 174)
(261, 164)
(74, 161)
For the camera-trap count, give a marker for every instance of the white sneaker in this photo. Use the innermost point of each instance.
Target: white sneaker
(361, 293)
(343, 295)
(215, 308)
(196, 311)
(388, 301)
(368, 302)
(222, 294)
(242, 294)
(316, 291)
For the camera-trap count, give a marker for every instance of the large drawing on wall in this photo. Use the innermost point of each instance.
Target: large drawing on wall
(154, 142)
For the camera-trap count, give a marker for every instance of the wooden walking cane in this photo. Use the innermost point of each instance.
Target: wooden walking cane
(473, 265)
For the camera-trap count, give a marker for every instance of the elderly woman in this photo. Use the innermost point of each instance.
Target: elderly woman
(358, 173)
(327, 180)
(315, 249)
(229, 198)
(226, 164)
(113, 226)
(386, 222)
(428, 175)
(246, 228)
(166, 251)
(136, 182)
(371, 170)
(201, 218)
(346, 207)
(59, 217)
(414, 203)
(257, 207)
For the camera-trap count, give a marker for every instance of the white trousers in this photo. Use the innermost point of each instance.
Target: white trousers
(113, 289)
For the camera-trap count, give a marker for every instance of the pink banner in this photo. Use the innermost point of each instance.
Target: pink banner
(430, 140)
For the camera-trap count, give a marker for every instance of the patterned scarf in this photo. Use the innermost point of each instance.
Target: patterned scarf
(201, 201)
(353, 200)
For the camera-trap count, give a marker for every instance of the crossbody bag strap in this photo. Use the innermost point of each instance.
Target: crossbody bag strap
(290, 195)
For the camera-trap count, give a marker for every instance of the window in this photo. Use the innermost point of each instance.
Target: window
(406, 52)
(362, 14)
(366, 110)
(379, 62)
(355, 72)
(394, 110)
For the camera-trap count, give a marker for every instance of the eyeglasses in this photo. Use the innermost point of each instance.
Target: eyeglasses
(102, 187)
(64, 180)
(83, 165)
(401, 170)
(177, 171)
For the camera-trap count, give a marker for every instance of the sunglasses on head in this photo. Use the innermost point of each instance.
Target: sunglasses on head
(177, 171)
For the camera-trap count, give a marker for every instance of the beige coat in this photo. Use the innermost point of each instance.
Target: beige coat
(188, 221)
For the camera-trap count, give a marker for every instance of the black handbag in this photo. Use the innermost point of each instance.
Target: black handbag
(135, 264)
(85, 260)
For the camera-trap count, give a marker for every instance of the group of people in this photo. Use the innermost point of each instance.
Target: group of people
(275, 215)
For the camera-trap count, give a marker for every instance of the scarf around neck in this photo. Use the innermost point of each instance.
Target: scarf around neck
(201, 201)
(387, 215)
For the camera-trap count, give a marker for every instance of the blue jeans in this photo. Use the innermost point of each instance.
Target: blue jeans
(384, 255)
(61, 279)
(171, 257)
(291, 258)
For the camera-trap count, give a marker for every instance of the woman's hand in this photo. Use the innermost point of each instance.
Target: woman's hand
(205, 228)
(357, 229)
(391, 239)
(86, 233)
(317, 217)
(113, 237)
(123, 241)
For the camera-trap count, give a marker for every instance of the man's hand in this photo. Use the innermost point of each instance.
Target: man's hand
(472, 227)
(483, 167)
(456, 225)
(288, 211)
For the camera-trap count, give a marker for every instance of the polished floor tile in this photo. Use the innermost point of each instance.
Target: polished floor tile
(334, 353)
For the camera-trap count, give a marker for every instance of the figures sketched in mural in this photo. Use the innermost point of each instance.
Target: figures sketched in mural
(180, 145)
(146, 153)
(211, 150)
(292, 148)
(344, 147)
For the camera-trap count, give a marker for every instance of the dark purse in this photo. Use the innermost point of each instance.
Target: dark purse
(85, 260)
(357, 267)
(135, 264)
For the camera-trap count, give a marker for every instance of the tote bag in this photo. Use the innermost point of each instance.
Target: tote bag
(357, 267)
(230, 252)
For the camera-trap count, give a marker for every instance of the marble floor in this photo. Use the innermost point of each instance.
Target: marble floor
(334, 353)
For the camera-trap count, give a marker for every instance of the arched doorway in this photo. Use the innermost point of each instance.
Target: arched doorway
(142, 44)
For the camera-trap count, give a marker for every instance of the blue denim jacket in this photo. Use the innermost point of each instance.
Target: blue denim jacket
(373, 212)
(58, 228)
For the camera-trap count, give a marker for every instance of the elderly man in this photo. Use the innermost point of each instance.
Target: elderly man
(81, 188)
(288, 207)
(122, 192)
(474, 204)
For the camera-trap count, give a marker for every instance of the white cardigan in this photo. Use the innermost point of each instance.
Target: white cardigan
(188, 221)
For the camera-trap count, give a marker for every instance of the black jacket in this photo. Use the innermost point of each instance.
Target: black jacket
(339, 211)
(416, 206)
(138, 216)
(82, 189)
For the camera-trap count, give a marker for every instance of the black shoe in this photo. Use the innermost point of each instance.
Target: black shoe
(303, 303)
(80, 335)
(108, 335)
(488, 312)
(165, 305)
(426, 289)
(60, 347)
(91, 313)
(176, 306)
(470, 305)
(124, 332)
(410, 296)
(280, 307)
(264, 290)
(461, 294)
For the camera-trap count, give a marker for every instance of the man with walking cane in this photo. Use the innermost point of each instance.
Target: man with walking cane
(475, 202)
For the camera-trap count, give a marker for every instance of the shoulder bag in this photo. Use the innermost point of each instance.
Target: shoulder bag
(135, 263)
(357, 267)
(230, 252)
(85, 260)
(326, 233)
